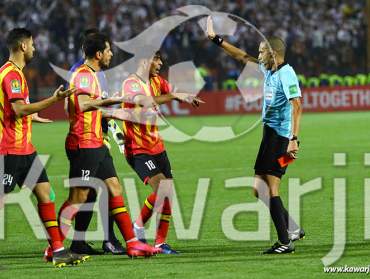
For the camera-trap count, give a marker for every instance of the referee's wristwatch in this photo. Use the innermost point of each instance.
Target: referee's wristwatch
(217, 40)
(295, 138)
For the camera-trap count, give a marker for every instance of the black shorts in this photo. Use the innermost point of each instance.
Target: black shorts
(147, 166)
(272, 147)
(17, 168)
(91, 162)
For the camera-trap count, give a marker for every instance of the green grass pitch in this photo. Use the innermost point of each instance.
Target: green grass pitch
(213, 255)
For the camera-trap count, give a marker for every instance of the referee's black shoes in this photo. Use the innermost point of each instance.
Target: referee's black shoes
(279, 248)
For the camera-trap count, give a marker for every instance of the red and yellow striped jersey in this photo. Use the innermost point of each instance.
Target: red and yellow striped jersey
(85, 130)
(143, 138)
(15, 132)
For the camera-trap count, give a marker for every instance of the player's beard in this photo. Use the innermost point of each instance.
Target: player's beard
(104, 65)
(154, 71)
(28, 58)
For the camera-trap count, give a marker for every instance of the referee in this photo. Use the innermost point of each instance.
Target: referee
(281, 116)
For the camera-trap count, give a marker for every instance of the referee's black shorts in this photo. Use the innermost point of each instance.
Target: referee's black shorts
(147, 166)
(91, 162)
(19, 167)
(272, 147)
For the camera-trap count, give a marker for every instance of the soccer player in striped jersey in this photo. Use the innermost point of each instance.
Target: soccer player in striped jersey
(16, 148)
(144, 148)
(87, 154)
(281, 116)
(83, 218)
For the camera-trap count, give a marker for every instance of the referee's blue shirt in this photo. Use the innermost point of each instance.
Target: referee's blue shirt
(279, 88)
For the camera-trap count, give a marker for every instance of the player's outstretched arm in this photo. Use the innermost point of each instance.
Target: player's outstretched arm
(88, 104)
(22, 109)
(146, 101)
(126, 114)
(188, 98)
(230, 49)
(39, 119)
(151, 101)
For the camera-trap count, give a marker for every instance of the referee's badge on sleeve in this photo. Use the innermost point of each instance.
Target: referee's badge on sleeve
(293, 90)
(15, 86)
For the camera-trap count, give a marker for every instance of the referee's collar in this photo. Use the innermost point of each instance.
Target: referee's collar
(279, 67)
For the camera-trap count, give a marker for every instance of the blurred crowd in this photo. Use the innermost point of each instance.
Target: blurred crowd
(322, 36)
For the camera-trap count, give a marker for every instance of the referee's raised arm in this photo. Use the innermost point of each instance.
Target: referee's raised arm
(230, 49)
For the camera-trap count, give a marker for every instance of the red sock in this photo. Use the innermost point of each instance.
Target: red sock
(147, 210)
(120, 214)
(48, 217)
(164, 223)
(66, 216)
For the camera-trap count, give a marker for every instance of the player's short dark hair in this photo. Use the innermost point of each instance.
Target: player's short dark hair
(86, 33)
(94, 43)
(16, 36)
(158, 54)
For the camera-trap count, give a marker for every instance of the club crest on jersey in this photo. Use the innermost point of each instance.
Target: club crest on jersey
(84, 82)
(15, 86)
(135, 87)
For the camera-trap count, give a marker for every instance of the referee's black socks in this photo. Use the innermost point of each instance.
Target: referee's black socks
(277, 212)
